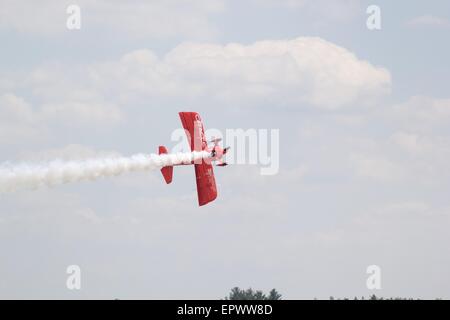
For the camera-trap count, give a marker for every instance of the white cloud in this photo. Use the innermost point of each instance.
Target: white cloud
(404, 158)
(14, 108)
(17, 119)
(429, 20)
(299, 71)
(59, 95)
(420, 113)
(319, 224)
(402, 144)
(20, 121)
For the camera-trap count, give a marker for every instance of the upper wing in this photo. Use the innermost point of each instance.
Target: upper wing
(204, 174)
(206, 183)
(192, 124)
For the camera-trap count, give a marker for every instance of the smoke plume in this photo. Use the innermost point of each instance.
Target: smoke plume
(32, 176)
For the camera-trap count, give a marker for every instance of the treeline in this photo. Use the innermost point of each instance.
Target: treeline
(374, 297)
(250, 294)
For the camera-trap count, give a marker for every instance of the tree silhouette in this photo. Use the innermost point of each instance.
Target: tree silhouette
(274, 295)
(250, 294)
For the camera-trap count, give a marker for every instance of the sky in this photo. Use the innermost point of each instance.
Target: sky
(364, 141)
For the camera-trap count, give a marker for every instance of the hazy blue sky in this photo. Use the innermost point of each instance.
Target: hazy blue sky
(364, 147)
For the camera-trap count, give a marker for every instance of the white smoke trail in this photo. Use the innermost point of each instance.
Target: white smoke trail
(32, 176)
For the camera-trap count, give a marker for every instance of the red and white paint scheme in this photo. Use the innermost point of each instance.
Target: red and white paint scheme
(195, 132)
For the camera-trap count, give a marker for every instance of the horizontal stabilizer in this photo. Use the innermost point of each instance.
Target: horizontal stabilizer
(167, 172)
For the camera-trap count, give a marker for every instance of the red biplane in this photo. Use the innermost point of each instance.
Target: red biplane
(195, 132)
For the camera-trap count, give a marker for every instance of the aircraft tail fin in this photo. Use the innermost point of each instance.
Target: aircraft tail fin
(167, 172)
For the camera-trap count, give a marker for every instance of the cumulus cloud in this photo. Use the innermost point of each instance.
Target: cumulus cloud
(299, 71)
